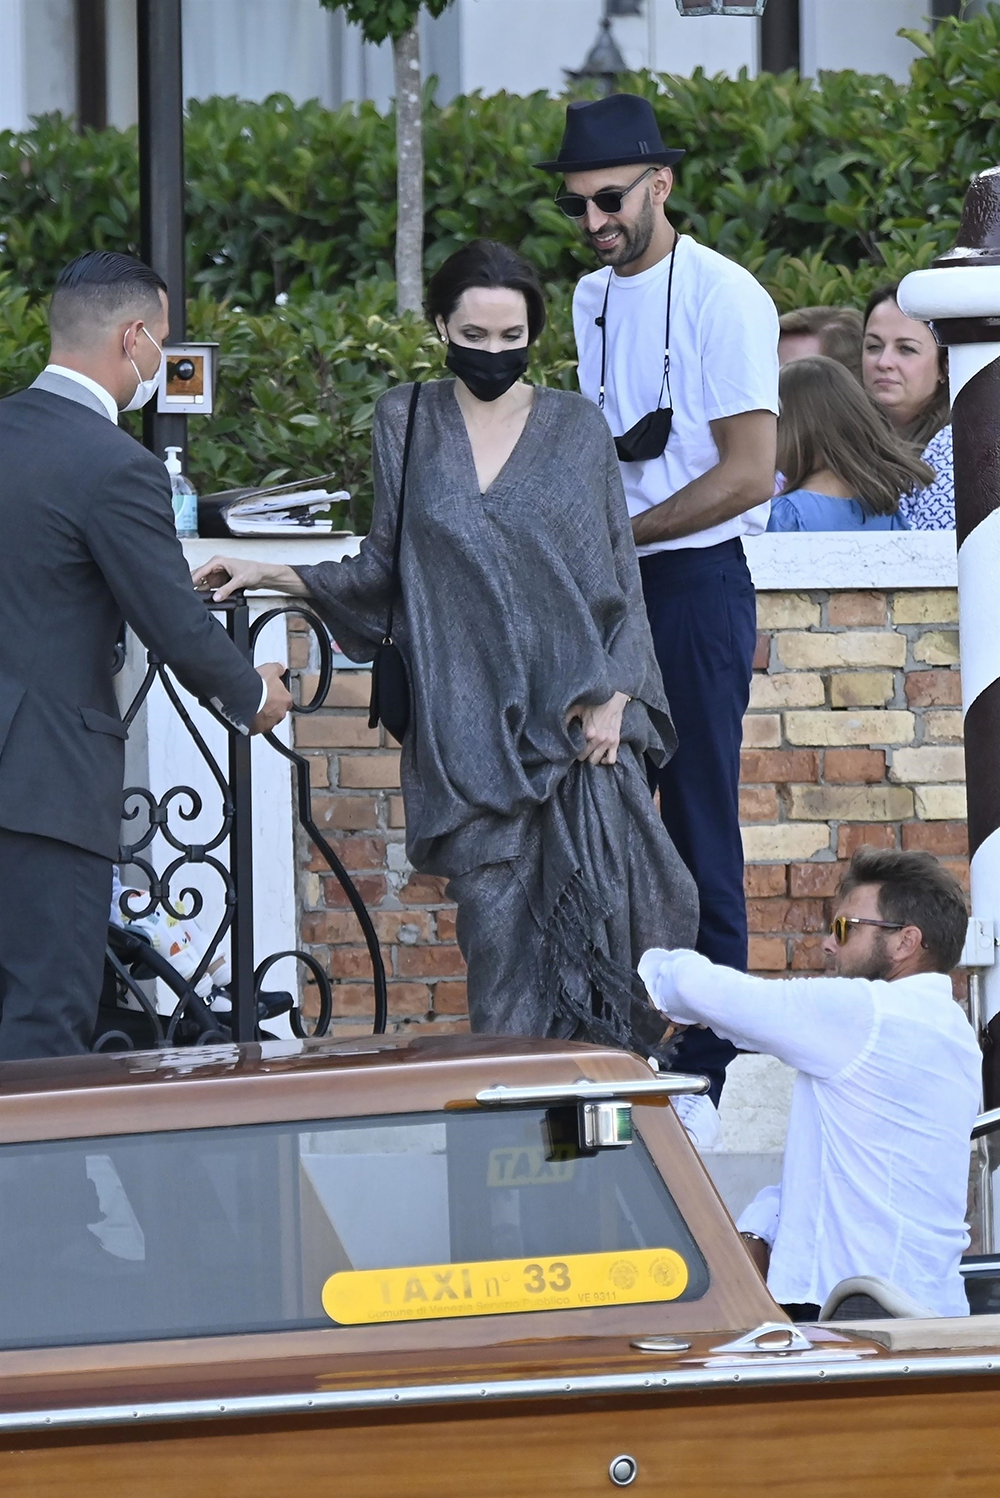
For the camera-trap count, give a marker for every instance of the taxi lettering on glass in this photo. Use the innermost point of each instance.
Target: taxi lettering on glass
(499, 1287)
(530, 1165)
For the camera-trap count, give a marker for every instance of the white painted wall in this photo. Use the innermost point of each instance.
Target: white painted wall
(256, 47)
(13, 113)
(860, 34)
(37, 60)
(49, 56)
(123, 96)
(523, 45)
(666, 42)
(363, 71)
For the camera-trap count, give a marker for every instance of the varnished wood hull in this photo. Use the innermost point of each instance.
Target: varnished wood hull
(932, 1439)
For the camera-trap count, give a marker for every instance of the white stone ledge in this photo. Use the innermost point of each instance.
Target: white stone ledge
(844, 559)
(778, 562)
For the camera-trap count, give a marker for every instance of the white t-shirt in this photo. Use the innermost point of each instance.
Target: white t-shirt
(723, 361)
(877, 1159)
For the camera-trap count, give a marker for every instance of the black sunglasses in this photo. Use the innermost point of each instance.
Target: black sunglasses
(608, 200)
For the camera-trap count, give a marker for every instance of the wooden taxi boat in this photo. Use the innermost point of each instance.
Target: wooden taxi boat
(426, 1268)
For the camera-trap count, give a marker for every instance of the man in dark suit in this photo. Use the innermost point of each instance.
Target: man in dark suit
(86, 540)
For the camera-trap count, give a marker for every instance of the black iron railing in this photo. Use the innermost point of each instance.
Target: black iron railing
(228, 852)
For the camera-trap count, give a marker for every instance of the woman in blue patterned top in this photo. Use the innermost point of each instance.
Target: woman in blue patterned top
(844, 467)
(933, 508)
(906, 374)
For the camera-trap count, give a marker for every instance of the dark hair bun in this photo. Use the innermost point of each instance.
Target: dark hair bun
(486, 263)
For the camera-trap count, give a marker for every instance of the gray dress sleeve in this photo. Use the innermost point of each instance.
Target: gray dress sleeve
(353, 595)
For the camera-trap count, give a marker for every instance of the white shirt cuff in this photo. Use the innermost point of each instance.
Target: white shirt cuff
(662, 972)
(240, 727)
(761, 1216)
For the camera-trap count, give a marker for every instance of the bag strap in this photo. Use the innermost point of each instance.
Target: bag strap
(407, 444)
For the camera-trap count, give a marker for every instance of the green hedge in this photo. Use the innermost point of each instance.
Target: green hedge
(297, 385)
(822, 189)
(301, 198)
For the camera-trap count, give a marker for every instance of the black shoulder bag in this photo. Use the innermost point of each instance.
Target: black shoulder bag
(390, 704)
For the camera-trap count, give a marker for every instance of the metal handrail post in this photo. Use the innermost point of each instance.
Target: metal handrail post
(241, 936)
(987, 1225)
(161, 184)
(978, 957)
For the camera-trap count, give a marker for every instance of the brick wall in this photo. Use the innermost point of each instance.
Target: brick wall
(853, 736)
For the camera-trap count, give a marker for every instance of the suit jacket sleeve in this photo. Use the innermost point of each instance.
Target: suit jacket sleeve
(130, 532)
(353, 595)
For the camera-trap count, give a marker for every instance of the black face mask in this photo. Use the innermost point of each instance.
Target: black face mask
(487, 375)
(647, 439)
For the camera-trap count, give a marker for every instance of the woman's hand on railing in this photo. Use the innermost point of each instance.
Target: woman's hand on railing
(225, 575)
(602, 729)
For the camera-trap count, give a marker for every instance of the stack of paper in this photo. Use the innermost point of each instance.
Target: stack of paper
(279, 510)
(289, 513)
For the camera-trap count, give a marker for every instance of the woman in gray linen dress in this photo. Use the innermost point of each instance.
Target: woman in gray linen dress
(535, 690)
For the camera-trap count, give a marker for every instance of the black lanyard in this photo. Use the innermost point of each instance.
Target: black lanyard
(602, 323)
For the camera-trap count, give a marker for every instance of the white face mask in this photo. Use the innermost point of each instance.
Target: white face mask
(145, 389)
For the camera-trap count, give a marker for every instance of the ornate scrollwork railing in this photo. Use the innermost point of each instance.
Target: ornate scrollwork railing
(228, 853)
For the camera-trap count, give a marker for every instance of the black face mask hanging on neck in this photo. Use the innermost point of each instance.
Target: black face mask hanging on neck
(647, 439)
(487, 375)
(649, 436)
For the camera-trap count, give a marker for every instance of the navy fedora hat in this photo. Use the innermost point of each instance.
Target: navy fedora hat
(620, 130)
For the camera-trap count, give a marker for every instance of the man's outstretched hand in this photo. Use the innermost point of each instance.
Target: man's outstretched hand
(278, 700)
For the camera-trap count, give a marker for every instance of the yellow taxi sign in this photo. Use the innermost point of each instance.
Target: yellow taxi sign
(502, 1287)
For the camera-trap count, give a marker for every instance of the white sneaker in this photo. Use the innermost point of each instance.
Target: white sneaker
(700, 1118)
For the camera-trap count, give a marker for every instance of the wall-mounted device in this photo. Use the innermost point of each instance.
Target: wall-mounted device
(187, 380)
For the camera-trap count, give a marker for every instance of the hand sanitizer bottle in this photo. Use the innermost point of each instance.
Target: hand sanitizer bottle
(184, 496)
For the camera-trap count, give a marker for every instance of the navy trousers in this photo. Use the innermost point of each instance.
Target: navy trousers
(703, 615)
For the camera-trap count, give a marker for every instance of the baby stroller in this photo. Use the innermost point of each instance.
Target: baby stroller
(128, 1019)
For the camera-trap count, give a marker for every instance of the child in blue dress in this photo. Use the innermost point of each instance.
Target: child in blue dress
(843, 466)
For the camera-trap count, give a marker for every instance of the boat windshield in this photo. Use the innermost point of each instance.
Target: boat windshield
(276, 1227)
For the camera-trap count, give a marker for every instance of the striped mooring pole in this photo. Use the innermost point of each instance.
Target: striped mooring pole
(959, 295)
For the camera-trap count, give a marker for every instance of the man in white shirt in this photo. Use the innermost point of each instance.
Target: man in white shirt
(678, 345)
(877, 1158)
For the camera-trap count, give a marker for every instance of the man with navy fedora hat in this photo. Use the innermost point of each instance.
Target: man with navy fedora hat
(678, 345)
(616, 131)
